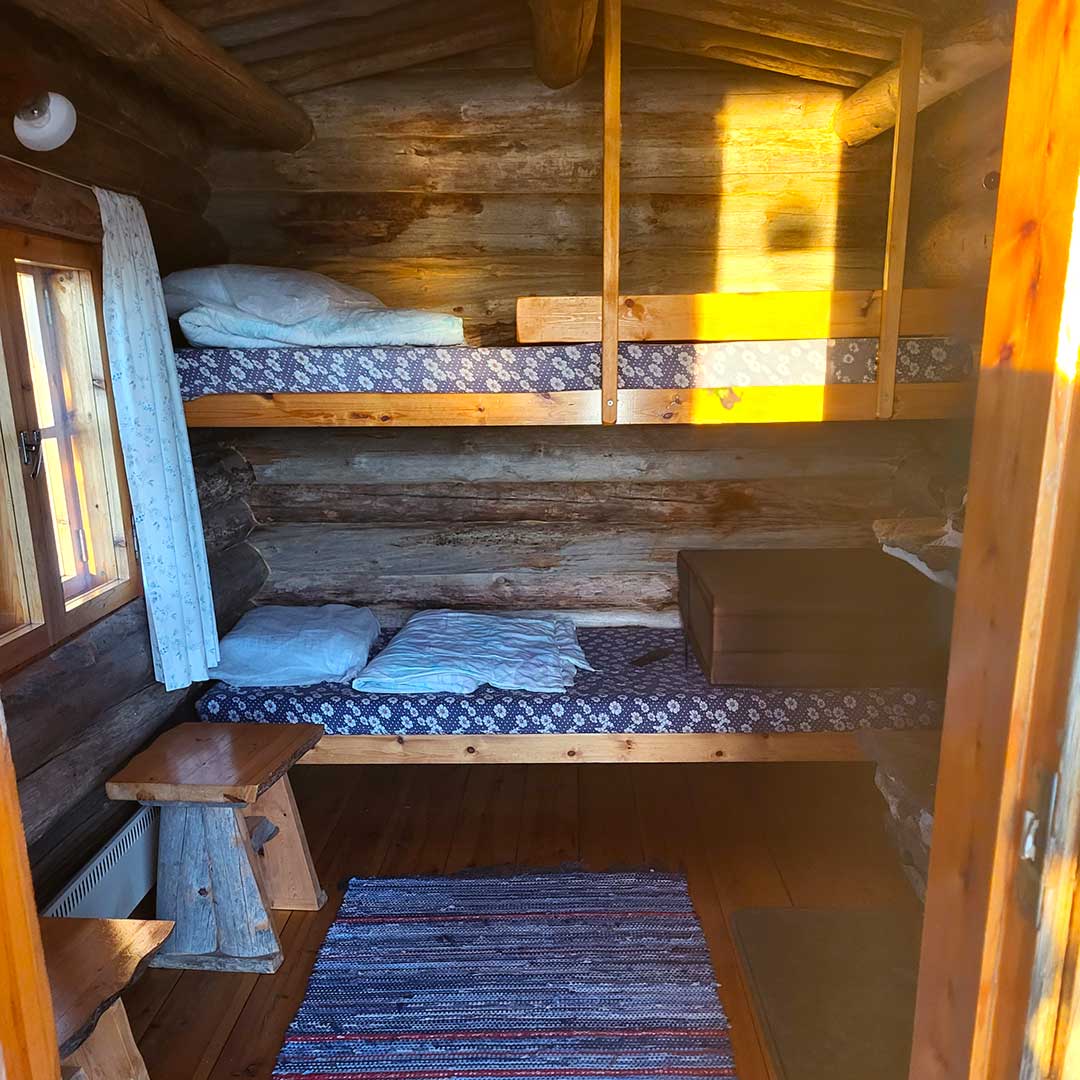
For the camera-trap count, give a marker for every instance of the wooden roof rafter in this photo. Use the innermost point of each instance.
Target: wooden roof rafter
(162, 48)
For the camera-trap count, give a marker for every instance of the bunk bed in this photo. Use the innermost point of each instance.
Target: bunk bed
(745, 358)
(646, 700)
(713, 358)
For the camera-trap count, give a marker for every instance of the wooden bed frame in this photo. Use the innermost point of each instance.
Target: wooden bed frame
(590, 749)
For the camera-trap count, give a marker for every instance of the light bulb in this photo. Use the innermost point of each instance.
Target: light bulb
(45, 123)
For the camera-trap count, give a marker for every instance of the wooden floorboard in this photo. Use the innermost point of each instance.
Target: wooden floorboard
(753, 835)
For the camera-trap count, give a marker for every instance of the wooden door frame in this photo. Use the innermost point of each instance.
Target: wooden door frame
(28, 1049)
(1014, 634)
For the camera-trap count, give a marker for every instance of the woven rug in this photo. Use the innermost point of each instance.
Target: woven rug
(549, 974)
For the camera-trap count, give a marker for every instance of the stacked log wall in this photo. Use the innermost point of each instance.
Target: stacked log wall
(586, 520)
(957, 167)
(76, 715)
(462, 184)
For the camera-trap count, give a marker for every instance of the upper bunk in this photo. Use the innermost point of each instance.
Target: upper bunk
(706, 359)
(764, 252)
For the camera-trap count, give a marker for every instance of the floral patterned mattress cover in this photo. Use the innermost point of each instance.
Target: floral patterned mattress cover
(551, 368)
(643, 683)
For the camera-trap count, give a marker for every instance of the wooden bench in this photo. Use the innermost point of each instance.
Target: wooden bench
(90, 962)
(231, 846)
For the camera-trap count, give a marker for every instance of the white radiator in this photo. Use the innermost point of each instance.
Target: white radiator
(116, 879)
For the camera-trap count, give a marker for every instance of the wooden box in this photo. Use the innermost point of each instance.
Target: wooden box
(813, 618)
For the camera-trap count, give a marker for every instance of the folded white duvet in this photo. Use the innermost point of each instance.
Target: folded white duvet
(218, 326)
(454, 652)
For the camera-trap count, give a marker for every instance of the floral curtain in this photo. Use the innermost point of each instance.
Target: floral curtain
(157, 456)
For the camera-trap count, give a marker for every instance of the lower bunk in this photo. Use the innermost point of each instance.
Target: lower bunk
(647, 700)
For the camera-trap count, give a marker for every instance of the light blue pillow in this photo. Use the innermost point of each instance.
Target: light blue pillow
(455, 652)
(297, 646)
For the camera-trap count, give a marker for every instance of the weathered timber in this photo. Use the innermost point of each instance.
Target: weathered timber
(237, 574)
(950, 63)
(373, 53)
(44, 57)
(583, 455)
(728, 505)
(576, 518)
(63, 695)
(166, 50)
(80, 764)
(780, 21)
(739, 47)
(208, 884)
(227, 524)
(29, 198)
(958, 163)
(429, 206)
(221, 475)
(232, 22)
(562, 37)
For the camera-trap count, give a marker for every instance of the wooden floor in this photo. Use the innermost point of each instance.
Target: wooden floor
(745, 835)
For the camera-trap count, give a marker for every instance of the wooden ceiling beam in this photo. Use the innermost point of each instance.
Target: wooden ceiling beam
(341, 35)
(780, 24)
(562, 37)
(297, 19)
(375, 52)
(162, 48)
(961, 56)
(676, 34)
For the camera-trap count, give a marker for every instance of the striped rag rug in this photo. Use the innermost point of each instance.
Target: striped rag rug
(546, 974)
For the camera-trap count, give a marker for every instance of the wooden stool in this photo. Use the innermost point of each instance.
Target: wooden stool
(231, 846)
(90, 961)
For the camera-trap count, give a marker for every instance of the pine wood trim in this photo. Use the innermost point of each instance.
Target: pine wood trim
(755, 316)
(1004, 712)
(609, 329)
(907, 110)
(27, 1025)
(576, 749)
(723, 405)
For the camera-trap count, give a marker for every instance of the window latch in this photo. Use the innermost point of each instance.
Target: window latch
(30, 450)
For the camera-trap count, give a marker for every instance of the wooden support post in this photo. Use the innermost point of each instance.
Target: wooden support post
(110, 1052)
(288, 873)
(907, 109)
(209, 885)
(609, 335)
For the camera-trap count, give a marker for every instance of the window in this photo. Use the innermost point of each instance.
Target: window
(65, 522)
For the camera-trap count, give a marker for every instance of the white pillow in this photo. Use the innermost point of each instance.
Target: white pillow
(272, 293)
(297, 646)
(454, 652)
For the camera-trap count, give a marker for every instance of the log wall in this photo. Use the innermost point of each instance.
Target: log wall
(76, 715)
(581, 519)
(462, 184)
(957, 166)
(129, 138)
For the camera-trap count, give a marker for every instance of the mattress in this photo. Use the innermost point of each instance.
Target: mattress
(551, 368)
(643, 683)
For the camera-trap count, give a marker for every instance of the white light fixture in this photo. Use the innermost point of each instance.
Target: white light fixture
(45, 123)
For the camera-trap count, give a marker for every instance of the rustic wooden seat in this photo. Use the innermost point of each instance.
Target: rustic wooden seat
(231, 846)
(90, 962)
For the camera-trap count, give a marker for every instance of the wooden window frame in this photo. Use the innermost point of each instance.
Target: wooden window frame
(51, 621)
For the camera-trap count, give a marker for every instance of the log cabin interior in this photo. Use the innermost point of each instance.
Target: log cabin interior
(537, 539)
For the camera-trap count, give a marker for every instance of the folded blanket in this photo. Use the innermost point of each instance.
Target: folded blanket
(454, 652)
(219, 326)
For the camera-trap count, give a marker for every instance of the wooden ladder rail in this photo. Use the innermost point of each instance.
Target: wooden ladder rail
(892, 290)
(609, 329)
